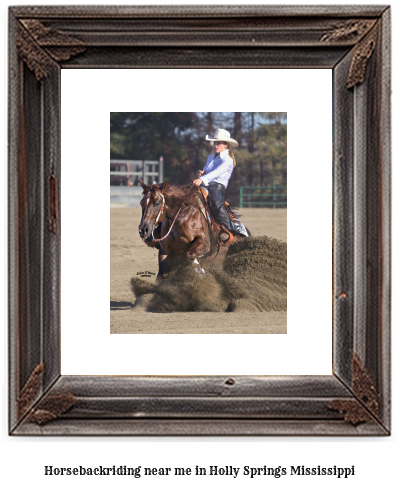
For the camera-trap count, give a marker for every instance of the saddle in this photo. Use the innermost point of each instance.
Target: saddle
(206, 210)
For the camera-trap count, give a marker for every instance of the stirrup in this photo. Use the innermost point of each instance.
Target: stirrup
(229, 240)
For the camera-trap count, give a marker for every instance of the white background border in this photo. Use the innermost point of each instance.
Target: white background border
(375, 458)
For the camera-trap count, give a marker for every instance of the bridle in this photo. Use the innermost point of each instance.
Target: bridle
(160, 213)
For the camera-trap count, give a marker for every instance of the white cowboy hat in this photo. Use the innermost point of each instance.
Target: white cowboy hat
(222, 136)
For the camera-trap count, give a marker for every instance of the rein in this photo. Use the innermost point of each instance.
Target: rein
(159, 214)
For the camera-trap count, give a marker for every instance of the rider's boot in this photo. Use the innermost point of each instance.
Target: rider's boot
(216, 195)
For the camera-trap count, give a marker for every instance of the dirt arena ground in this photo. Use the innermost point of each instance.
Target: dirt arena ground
(130, 256)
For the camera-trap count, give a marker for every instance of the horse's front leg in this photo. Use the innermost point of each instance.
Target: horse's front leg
(165, 260)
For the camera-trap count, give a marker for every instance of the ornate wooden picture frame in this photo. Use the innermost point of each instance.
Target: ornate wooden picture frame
(354, 42)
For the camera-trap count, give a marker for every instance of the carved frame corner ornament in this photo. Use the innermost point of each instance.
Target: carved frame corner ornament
(30, 391)
(361, 56)
(354, 43)
(365, 407)
(51, 407)
(352, 30)
(38, 45)
(362, 32)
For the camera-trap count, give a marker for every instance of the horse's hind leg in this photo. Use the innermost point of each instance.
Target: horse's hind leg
(198, 248)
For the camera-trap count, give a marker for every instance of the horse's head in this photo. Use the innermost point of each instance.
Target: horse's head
(152, 208)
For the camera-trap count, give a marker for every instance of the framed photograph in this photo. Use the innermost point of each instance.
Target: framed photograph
(160, 270)
(49, 44)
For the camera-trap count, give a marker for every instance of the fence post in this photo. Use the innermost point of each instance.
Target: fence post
(160, 171)
(144, 175)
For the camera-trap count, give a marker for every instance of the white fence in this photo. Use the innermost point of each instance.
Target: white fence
(125, 189)
(128, 172)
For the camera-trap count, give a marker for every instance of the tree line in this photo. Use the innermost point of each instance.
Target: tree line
(180, 139)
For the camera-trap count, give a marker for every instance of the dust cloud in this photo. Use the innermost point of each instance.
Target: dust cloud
(253, 278)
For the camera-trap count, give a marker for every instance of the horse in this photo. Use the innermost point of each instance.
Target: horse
(173, 223)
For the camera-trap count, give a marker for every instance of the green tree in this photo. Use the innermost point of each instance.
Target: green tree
(180, 138)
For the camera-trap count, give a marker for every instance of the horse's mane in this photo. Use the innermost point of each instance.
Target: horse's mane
(180, 193)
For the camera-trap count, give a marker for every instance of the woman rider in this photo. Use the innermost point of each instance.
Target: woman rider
(216, 175)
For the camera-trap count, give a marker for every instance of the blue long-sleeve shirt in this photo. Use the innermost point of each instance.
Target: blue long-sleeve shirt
(218, 169)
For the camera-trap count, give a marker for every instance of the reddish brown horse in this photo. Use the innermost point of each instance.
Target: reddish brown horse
(173, 223)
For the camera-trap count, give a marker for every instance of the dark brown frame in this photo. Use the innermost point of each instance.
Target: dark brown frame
(353, 41)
